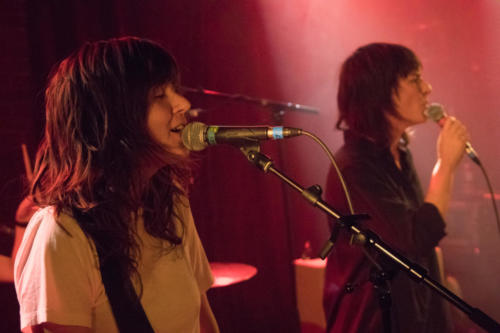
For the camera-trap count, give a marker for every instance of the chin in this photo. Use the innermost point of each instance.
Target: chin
(176, 148)
(181, 152)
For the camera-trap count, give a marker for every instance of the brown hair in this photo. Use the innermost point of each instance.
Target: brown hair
(368, 79)
(96, 136)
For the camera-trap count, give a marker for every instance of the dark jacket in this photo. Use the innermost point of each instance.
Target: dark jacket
(394, 200)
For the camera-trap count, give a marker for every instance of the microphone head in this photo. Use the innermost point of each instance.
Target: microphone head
(193, 136)
(435, 111)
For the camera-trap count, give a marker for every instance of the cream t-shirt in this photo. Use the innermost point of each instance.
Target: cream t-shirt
(58, 280)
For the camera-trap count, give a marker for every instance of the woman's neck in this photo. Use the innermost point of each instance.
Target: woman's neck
(397, 134)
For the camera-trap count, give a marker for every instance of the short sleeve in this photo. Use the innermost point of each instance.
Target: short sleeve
(56, 272)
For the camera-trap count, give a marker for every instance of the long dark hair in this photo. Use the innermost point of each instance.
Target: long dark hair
(89, 162)
(368, 79)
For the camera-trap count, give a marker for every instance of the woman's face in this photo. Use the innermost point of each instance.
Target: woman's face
(410, 99)
(167, 117)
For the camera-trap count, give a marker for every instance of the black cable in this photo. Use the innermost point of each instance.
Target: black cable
(492, 194)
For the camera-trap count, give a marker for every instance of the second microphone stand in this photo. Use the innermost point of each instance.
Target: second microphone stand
(370, 239)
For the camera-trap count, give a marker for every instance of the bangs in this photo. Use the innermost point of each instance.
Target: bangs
(160, 66)
(405, 62)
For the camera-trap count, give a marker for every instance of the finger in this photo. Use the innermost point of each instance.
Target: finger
(450, 122)
(457, 127)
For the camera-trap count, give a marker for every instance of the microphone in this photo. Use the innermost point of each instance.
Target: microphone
(435, 111)
(198, 136)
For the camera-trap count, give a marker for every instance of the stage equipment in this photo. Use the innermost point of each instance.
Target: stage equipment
(229, 273)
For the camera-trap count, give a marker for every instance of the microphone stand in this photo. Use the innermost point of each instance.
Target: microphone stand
(274, 105)
(370, 239)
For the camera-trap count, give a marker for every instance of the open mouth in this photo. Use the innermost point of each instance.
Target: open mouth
(178, 128)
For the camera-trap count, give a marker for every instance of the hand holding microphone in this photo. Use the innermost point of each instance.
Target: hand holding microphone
(451, 142)
(454, 138)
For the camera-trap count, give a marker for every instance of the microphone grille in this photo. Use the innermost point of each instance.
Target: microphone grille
(435, 111)
(193, 136)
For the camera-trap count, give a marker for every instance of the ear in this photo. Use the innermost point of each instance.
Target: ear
(395, 95)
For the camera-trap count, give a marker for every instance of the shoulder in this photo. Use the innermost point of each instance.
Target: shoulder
(354, 161)
(51, 239)
(367, 172)
(47, 224)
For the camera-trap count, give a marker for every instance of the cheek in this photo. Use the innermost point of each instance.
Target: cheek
(156, 126)
(399, 104)
(407, 102)
(155, 130)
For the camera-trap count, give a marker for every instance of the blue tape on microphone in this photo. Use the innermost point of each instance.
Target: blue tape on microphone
(277, 132)
(211, 134)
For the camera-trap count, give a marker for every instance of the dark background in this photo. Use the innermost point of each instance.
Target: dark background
(279, 50)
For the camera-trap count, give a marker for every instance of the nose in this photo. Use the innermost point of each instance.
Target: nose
(426, 87)
(182, 105)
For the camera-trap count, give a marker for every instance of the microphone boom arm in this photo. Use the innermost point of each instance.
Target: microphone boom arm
(274, 105)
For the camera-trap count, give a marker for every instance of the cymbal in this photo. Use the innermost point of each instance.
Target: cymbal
(227, 273)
